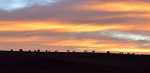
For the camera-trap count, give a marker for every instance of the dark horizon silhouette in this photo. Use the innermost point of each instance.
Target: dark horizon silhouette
(72, 62)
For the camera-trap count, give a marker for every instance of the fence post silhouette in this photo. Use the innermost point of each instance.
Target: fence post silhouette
(46, 51)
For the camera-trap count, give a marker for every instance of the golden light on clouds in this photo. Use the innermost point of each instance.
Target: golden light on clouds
(58, 27)
(119, 6)
(74, 28)
(69, 27)
(99, 25)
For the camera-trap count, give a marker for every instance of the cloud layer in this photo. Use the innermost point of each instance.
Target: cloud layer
(101, 25)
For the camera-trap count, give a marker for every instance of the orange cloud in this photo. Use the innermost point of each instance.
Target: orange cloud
(91, 44)
(59, 27)
(118, 6)
(68, 27)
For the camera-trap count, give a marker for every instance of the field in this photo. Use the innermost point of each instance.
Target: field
(61, 62)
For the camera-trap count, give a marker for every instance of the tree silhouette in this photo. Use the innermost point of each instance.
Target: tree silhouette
(108, 52)
(68, 50)
(11, 50)
(93, 51)
(20, 50)
(38, 50)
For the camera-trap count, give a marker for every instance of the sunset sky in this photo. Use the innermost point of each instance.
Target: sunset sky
(100, 25)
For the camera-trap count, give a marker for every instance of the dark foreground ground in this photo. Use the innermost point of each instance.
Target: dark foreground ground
(27, 62)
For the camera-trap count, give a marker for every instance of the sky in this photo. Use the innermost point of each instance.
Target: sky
(100, 25)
